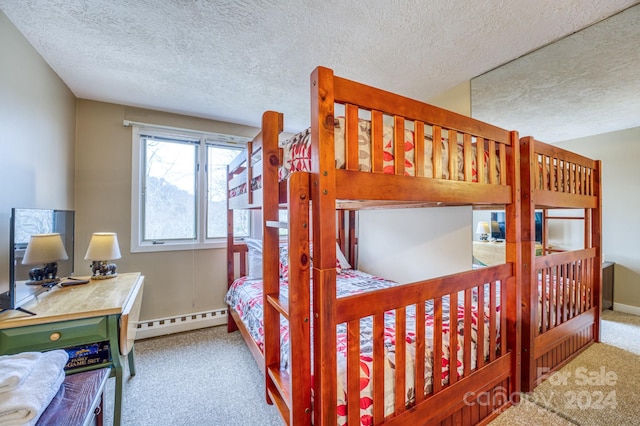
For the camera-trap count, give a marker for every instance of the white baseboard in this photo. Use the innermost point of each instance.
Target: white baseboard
(180, 323)
(627, 309)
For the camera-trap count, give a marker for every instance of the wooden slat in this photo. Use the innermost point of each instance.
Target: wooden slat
(467, 331)
(378, 368)
(377, 156)
(544, 300)
(419, 148)
(492, 321)
(353, 372)
(544, 172)
(502, 152)
(398, 145)
(480, 331)
(453, 154)
(420, 352)
(453, 338)
(557, 285)
(400, 358)
(504, 312)
(468, 158)
(480, 160)
(492, 162)
(351, 137)
(437, 152)
(437, 345)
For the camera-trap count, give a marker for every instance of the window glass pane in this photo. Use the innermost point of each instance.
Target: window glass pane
(169, 199)
(217, 159)
(283, 216)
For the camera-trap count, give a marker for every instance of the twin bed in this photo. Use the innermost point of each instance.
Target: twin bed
(339, 346)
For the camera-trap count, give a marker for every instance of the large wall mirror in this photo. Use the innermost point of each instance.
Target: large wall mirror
(585, 84)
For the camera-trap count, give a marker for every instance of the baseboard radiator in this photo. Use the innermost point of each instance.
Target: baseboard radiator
(179, 323)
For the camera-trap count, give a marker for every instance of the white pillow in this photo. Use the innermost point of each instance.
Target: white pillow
(344, 263)
(255, 258)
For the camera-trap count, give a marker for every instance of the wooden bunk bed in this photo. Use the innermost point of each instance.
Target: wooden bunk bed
(483, 171)
(560, 290)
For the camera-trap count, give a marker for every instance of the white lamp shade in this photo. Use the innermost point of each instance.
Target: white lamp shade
(483, 228)
(103, 246)
(44, 248)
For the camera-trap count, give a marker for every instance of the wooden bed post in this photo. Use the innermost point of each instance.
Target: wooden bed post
(596, 241)
(514, 255)
(272, 124)
(299, 300)
(528, 162)
(231, 324)
(323, 190)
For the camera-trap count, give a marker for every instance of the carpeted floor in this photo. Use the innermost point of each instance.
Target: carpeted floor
(601, 386)
(208, 377)
(198, 378)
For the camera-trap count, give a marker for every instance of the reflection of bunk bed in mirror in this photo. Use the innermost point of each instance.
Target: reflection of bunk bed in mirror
(417, 155)
(561, 289)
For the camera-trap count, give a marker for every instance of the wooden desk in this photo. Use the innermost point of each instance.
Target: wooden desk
(489, 253)
(102, 310)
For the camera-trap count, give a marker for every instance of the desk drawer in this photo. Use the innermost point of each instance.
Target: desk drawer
(55, 335)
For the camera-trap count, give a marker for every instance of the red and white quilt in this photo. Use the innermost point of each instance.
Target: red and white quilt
(245, 297)
(296, 154)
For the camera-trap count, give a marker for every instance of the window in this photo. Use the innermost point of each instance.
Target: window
(179, 190)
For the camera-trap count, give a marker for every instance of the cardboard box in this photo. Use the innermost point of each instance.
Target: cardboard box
(82, 356)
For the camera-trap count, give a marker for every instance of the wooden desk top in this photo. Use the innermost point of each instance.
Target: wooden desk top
(491, 253)
(97, 298)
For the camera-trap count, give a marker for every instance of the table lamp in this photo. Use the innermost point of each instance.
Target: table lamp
(44, 249)
(103, 247)
(483, 230)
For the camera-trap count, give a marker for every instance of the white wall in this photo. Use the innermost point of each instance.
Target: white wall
(37, 135)
(408, 245)
(619, 153)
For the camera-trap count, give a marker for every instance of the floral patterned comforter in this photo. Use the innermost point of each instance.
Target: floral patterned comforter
(245, 297)
(297, 154)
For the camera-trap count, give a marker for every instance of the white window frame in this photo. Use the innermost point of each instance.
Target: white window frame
(138, 245)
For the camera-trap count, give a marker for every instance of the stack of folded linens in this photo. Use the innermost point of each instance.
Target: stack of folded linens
(28, 383)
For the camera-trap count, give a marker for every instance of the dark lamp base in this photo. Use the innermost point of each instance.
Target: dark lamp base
(102, 270)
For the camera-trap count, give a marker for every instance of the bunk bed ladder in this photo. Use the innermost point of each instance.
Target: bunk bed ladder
(289, 388)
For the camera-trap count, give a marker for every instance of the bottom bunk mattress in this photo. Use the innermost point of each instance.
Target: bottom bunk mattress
(245, 296)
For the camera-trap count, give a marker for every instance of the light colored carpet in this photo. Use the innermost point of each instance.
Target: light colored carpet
(208, 377)
(203, 377)
(601, 386)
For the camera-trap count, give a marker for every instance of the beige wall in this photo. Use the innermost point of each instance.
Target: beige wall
(619, 153)
(456, 99)
(37, 132)
(177, 282)
(408, 245)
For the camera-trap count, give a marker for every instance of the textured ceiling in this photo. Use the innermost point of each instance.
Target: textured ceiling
(582, 85)
(232, 59)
